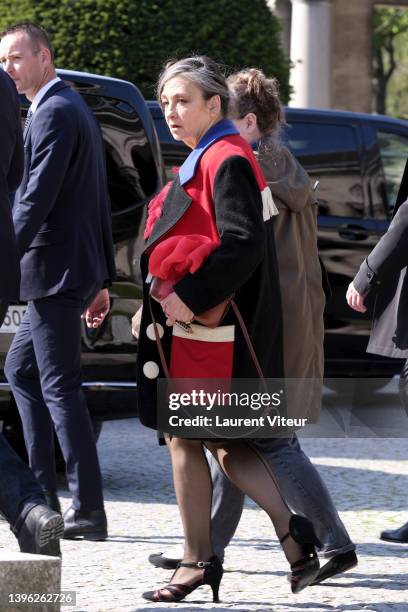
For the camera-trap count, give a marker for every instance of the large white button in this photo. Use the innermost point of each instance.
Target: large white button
(151, 369)
(150, 331)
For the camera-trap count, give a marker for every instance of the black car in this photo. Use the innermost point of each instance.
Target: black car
(135, 172)
(358, 161)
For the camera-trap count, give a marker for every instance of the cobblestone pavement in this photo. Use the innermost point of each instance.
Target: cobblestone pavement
(369, 482)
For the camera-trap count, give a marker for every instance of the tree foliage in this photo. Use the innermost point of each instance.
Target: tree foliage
(131, 39)
(390, 24)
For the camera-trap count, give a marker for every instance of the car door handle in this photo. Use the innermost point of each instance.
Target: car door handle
(353, 232)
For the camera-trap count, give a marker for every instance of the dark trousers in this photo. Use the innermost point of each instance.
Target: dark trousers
(19, 490)
(403, 386)
(44, 371)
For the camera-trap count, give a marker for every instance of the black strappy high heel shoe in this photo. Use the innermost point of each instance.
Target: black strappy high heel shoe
(304, 571)
(212, 575)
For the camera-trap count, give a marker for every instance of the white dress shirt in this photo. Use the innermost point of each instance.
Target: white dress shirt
(41, 93)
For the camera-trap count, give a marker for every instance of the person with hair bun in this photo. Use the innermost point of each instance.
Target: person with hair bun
(257, 112)
(209, 236)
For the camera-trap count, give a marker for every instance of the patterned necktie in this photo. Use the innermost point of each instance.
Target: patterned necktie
(28, 118)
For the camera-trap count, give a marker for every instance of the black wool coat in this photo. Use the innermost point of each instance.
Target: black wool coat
(245, 264)
(384, 273)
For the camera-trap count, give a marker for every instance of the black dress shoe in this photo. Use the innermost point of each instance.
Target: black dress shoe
(51, 497)
(159, 560)
(338, 564)
(41, 531)
(396, 535)
(85, 525)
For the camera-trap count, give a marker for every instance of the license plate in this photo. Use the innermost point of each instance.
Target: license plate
(12, 320)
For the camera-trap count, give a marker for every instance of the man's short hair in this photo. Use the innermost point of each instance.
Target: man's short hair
(38, 36)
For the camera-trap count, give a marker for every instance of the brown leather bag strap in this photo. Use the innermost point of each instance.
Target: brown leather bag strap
(158, 342)
(248, 342)
(244, 330)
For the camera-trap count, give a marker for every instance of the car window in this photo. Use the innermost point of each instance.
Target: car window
(132, 175)
(330, 154)
(321, 139)
(394, 153)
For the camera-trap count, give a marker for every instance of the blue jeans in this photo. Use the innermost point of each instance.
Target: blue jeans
(301, 486)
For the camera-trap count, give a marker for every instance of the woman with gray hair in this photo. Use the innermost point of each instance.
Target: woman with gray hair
(209, 236)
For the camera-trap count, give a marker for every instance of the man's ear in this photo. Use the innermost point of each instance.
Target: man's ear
(45, 55)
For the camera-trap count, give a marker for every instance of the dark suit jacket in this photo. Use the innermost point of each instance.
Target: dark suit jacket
(11, 171)
(61, 211)
(385, 273)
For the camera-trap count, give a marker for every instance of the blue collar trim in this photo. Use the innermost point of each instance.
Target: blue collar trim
(217, 131)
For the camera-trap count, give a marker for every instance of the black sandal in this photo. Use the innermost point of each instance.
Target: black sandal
(212, 575)
(304, 571)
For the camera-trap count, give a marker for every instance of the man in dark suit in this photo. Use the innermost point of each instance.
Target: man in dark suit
(62, 221)
(37, 527)
(384, 273)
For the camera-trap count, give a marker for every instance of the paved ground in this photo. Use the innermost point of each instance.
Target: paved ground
(368, 479)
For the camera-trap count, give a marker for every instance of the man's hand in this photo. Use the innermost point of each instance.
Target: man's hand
(97, 310)
(176, 310)
(354, 299)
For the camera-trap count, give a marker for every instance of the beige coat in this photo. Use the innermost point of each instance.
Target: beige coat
(300, 273)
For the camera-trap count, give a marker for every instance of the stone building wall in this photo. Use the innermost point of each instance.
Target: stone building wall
(334, 71)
